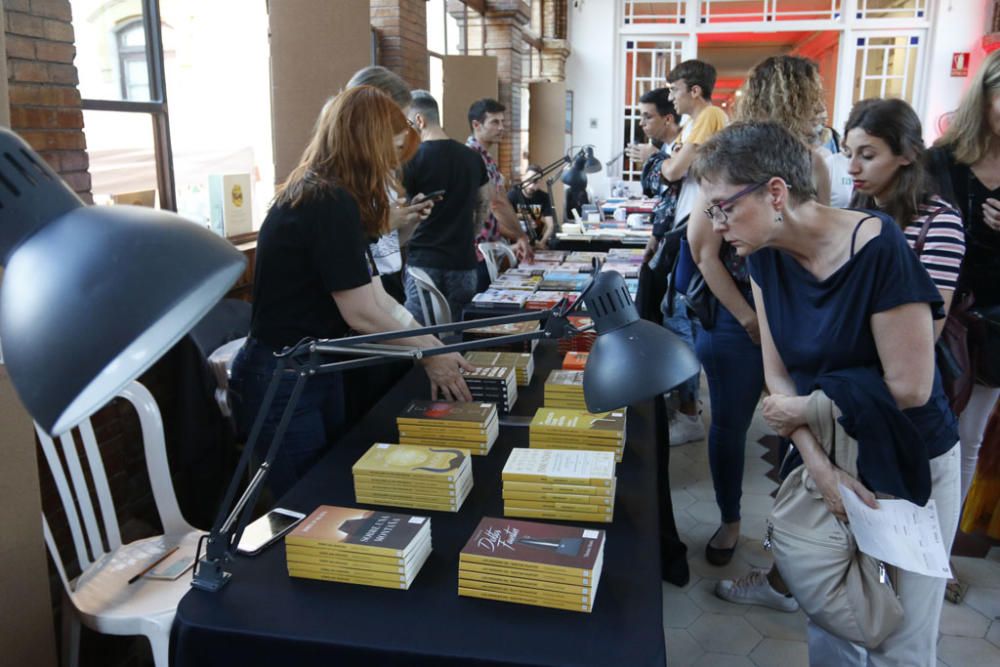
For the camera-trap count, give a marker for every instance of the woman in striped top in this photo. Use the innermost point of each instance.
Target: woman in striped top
(885, 146)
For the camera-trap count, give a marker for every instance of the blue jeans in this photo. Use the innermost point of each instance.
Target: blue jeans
(315, 422)
(687, 328)
(735, 371)
(458, 287)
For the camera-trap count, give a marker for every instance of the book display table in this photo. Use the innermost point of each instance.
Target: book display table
(265, 617)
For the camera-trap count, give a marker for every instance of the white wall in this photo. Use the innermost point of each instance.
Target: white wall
(958, 27)
(590, 74)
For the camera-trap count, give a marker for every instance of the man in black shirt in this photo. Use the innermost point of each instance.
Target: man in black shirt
(443, 244)
(534, 206)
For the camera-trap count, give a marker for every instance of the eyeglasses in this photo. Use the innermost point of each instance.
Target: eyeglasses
(717, 213)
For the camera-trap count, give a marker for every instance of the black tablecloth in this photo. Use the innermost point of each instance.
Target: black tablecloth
(265, 617)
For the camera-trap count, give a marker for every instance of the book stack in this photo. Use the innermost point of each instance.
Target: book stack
(357, 546)
(580, 342)
(472, 426)
(430, 478)
(501, 298)
(553, 256)
(564, 389)
(522, 362)
(508, 329)
(559, 428)
(532, 563)
(543, 300)
(567, 485)
(493, 384)
(508, 281)
(563, 281)
(575, 361)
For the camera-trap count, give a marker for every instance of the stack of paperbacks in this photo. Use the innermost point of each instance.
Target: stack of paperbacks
(579, 342)
(575, 361)
(522, 362)
(472, 426)
(356, 546)
(431, 478)
(532, 563)
(509, 329)
(564, 389)
(501, 298)
(559, 428)
(547, 299)
(559, 484)
(493, 384)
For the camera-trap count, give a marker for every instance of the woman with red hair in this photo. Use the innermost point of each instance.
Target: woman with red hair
(313, 275)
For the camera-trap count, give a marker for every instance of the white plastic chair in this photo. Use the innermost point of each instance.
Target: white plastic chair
(427, 291)
(493, 252)
(101, 597)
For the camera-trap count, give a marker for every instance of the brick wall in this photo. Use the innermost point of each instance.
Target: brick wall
(401, 26)
(44, 100)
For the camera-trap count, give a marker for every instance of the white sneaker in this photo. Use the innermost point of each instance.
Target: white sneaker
(684, 429)
(753, 588)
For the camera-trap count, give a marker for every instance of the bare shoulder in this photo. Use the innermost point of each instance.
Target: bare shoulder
(863, 226)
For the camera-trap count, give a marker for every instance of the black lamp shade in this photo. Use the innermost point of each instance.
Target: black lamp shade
(576, 176)
(92, 296)
(95, 297)
(592, 165)
(632, 359)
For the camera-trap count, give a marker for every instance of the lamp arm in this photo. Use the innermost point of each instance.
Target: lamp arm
(546, 170)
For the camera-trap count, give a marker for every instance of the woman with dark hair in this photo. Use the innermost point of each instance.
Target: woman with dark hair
(884, 144)
(840, 294)
(313, 275)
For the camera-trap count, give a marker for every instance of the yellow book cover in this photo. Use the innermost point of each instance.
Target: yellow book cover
(384, 459)
(351, 528)
(523, 362)
(569, 498)
(555, 515)
(580, 423)
(507, 597)
(574, 467)
(546, 487)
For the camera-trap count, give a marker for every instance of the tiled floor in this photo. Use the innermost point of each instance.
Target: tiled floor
(703, 630)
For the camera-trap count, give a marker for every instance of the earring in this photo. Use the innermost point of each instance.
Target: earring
(778, 218)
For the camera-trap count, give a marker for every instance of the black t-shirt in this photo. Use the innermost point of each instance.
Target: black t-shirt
(304, 254)
(445, 240)
(536, 198)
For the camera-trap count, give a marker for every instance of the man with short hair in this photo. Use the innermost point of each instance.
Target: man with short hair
(534, 205)
(442, 245)
(486, 121)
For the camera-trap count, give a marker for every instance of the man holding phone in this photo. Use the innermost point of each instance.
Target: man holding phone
(454, 176)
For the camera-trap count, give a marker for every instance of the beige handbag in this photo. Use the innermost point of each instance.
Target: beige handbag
(842, 590)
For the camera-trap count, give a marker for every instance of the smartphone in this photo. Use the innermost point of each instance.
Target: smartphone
(437, 194)
(268, 528)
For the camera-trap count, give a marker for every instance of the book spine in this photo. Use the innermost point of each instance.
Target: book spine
(491, 595)
(524, 568)
(424, 477)
(500, 580)
(555, 515)
(571, 499)
(336, 546)
(300, 573)
(522, 590)
(555, 479)
(410, 504)
(572, 489)
(476, 569)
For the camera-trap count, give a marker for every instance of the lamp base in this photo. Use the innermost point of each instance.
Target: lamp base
(209, 576)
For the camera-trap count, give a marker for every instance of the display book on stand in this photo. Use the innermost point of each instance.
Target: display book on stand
(505, 559)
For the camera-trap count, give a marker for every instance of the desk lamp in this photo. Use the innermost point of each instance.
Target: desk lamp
(93, 296)
(627, 349)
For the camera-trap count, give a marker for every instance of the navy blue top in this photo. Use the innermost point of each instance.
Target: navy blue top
(823, 326)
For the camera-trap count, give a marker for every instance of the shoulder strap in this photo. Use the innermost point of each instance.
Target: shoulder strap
(854, 234)
(918, 247)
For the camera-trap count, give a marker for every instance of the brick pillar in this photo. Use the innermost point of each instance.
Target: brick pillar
(503, 23)
(44, 100)
(555, 46)
(401, 26)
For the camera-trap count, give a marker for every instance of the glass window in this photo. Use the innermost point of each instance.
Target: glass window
(647, 64)
(726, 11)
(891, 9)
(654, 11)
(886, 66)
(122, 165)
